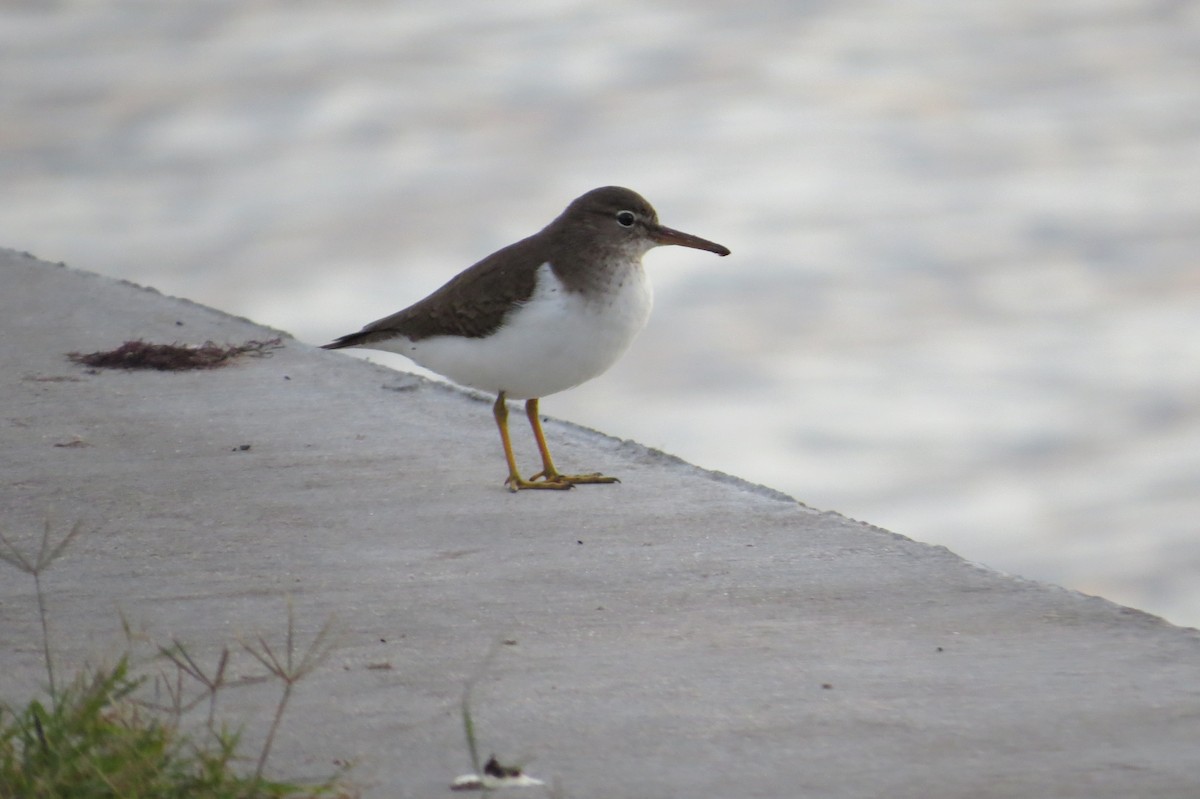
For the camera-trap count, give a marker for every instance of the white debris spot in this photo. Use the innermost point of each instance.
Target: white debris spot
(495, 775)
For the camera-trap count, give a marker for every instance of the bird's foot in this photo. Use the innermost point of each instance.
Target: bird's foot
(573, 479)
(555, 481)
(516, 483)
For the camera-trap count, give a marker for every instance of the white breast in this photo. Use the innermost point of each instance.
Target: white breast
(555, 341)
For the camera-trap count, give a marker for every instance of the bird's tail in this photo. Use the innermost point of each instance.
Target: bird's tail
(348, 340)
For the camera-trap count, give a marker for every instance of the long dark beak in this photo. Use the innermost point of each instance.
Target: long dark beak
(665, 235)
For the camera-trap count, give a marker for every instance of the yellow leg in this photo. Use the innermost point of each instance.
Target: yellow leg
(548, 472)
(515, 482)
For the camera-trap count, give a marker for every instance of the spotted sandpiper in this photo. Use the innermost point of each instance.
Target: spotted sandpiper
(539, 316)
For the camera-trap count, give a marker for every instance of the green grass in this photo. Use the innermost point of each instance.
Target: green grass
(120, 732)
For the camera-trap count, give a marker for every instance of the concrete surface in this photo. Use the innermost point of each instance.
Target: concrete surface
(680, 634)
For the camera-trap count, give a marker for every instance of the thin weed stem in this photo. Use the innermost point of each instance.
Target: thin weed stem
(468, 721)
(288, 670)
(46, 556)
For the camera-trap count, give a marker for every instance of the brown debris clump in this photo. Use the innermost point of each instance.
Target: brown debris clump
(172, 357)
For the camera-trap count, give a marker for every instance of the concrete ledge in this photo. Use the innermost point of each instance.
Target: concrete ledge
(680, 634)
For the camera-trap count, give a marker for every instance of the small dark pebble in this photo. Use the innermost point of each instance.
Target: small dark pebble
(494, 768)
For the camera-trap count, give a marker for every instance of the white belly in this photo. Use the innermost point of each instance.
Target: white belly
(556, 341)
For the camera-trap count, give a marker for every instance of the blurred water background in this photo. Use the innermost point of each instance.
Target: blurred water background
(964, 300)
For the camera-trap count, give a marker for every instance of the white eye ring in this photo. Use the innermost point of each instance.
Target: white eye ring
(626, 218)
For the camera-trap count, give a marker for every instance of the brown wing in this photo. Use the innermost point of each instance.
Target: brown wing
(473, 304)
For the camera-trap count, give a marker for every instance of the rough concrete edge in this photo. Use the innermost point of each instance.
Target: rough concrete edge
(404, 381)
(410, 380)
(147, 289)
(399, 380)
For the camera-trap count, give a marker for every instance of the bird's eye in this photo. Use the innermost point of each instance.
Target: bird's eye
(626, 218)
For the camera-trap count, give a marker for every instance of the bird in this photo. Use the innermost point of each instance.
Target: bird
(539, 316)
